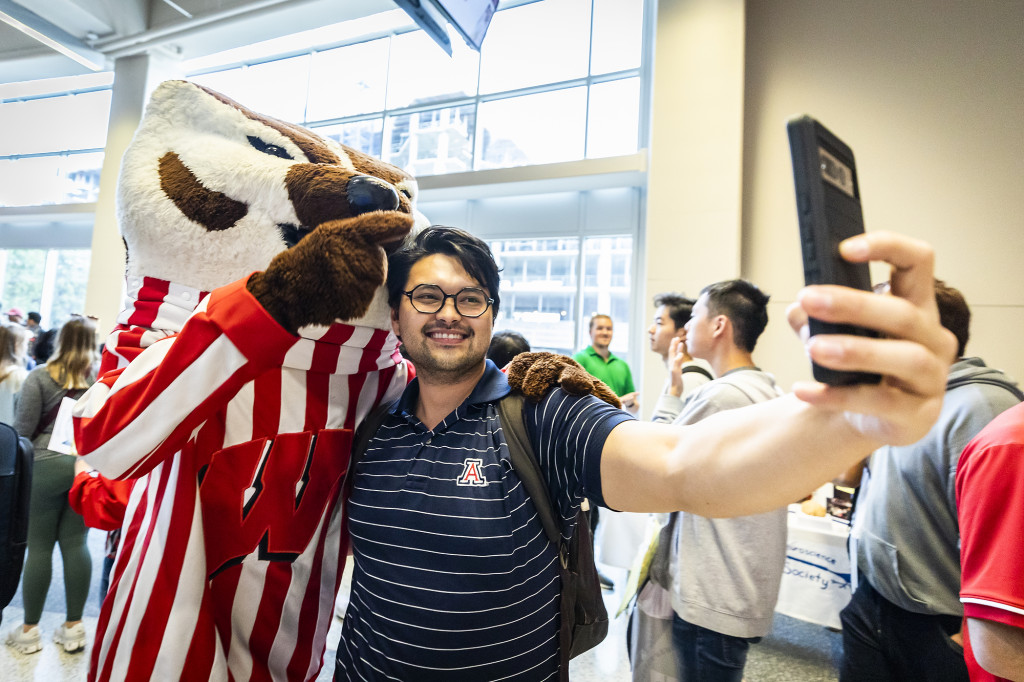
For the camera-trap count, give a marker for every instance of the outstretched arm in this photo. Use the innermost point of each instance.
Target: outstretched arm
(763, 456)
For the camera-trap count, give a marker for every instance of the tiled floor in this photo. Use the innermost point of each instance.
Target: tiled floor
(794, 651)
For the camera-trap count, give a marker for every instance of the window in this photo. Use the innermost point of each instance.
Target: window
(49, 281)
(366, 136)
(274, 88)
(421, 73)
(542, 307)
(557, 50)
(613, 118)
(572, 93)
(432, 142)
(617, 40)
(336, 89)
(557, 80)
(57, 154)
(544, 128)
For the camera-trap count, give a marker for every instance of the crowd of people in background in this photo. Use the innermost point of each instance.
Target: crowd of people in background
(709, 587)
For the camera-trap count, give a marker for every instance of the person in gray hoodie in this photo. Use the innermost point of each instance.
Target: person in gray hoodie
(722, 575)
(904, 619)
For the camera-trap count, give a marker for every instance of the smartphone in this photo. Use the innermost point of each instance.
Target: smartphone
(828, 206)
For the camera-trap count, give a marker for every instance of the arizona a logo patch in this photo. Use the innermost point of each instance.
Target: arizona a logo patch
(472, 474)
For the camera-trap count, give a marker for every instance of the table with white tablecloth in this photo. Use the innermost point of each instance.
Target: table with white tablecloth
(816, 581)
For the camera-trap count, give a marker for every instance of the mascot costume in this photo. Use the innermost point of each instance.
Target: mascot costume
(235, 409)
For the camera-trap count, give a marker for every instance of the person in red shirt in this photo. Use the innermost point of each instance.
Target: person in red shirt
(990, 498)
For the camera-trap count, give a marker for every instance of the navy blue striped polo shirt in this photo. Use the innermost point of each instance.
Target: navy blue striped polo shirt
(454, 577)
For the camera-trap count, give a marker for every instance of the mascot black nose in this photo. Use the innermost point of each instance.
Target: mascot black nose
(367, 193)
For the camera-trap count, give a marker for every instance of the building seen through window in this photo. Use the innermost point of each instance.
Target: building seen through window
(574, 94)
(541, 295)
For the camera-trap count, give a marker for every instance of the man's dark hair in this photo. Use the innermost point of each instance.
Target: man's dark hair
(954, 314)
(505, 345)
(43, 347)
(744, 304)
(678, 307)
(472, 253)
(35, 317)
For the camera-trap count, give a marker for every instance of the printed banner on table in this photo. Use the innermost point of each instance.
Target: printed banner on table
(816, 579)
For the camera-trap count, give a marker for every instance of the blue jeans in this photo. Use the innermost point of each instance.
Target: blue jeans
(882, 641)
(708, 656)
(108, 563)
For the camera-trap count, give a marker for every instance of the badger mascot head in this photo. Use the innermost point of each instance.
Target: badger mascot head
(211, 191)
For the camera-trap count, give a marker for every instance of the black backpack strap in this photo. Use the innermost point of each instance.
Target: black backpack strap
(366, 430)
(584, 618)
(360, 441)
(524, 461)
(50, 417)
(696, 369)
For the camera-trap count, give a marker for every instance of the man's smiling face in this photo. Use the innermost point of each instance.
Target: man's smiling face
(445, 345)
(601, 329)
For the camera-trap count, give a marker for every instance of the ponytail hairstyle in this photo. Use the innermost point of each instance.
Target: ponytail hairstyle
(77, 352)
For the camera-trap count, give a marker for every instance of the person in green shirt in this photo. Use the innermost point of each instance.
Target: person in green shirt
(600, 362)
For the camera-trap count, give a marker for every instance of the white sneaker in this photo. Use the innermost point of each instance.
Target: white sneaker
(71, 638)
(25, 642)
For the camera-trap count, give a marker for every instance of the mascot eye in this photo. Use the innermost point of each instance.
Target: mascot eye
(406, 193)
(272, 149)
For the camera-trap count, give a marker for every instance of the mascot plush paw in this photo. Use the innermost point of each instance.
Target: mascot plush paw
(332, 274)
(535, 374)
(234, 409)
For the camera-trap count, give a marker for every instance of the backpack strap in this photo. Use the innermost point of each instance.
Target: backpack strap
(366, 430)
(524, 461)
(584, 618)
(50, 417)
(696, 369)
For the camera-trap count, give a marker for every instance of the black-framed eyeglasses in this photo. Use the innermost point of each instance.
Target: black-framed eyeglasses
(430, 298)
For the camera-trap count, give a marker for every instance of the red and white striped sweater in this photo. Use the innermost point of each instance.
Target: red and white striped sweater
(154, 308)
(233, 540)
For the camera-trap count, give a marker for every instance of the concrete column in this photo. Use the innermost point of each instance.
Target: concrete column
(134, 78)
(693, 228)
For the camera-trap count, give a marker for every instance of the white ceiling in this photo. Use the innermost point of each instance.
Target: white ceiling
(102, 30)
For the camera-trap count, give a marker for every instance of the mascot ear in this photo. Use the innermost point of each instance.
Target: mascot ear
(333, 273)
(536, 374)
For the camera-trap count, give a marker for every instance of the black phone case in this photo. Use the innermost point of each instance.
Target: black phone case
(829, 211)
